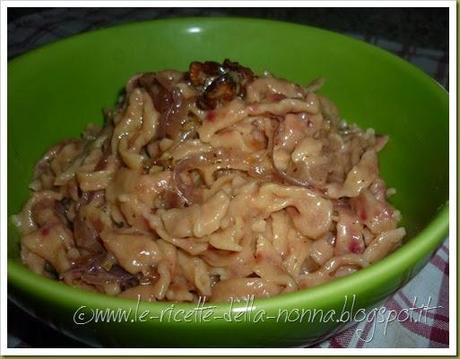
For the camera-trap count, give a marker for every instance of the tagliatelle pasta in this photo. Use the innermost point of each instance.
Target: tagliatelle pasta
(211, 183)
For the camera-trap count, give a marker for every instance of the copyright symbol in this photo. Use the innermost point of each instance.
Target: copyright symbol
(82, 317)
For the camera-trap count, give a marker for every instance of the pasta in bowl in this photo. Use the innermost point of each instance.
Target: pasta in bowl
(213, 183)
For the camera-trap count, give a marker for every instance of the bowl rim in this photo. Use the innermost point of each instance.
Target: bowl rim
(187, 19)
(400, 261)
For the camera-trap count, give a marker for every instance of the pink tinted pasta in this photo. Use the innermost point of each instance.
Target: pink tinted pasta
(211, 183)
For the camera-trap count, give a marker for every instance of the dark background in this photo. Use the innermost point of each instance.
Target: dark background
(426, 27)
(419, 35)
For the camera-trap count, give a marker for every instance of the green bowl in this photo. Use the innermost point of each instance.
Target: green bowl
(53, 92)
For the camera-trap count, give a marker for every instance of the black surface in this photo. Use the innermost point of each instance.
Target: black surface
(425, 27)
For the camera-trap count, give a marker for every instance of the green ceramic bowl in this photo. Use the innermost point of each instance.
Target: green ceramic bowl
(53, 92)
